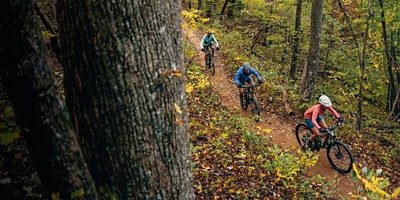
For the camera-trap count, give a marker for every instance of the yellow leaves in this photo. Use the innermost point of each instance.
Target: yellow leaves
(267, 130)
(224, 135)
(189, 89)
(374, 184)
(177, 108)
(396, 192)
(173, 73)
(205, 20)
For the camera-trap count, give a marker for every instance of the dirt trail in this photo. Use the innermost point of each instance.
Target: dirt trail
(282, 132)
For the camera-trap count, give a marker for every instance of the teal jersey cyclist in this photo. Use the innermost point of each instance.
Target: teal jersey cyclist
(208, 41)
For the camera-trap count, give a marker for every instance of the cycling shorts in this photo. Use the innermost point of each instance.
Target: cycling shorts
(310, 124)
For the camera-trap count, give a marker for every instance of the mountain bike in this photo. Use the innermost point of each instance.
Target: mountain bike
(339, 155)
(250, 99)
(210, 61)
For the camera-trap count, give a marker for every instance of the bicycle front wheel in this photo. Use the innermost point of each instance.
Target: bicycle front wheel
(255, 109)
(303, 135)
(212, 69)
(244, 102)
(340, 157)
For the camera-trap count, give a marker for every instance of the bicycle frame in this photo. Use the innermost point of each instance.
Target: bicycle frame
(330, 136)
(248, 92)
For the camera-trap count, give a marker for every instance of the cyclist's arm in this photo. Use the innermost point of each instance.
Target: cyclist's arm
(256, 74)
(315, 114)
(215, 40)
(201, 42)
(333, 111)
(237, 76)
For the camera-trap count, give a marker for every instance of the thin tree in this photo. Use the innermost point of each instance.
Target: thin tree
(361, 57)
(295, 48)
(391, 104)
(311, 70)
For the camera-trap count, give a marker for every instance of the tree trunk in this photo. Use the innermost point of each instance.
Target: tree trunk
(308, 84)
(392, 88)
(200, 5)
(125, 89)
(38, 106)
(224, 7)
(295, 50)
(231, 8)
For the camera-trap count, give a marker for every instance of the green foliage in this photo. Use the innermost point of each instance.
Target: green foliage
(8, 131)
(287, 166)
(77, 194)
(374, 185)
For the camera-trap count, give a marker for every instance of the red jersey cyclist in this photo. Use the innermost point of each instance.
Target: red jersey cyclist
(314, 120)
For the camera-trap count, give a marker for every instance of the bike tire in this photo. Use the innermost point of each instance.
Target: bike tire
(303, 134)
(245, 103)
(212, 69)
(340, 157)
(256, 110)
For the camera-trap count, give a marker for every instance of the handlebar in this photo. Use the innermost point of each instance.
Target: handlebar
(257, 84)
(338, 123)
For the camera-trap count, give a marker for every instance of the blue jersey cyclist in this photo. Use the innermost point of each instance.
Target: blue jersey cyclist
(242, 77)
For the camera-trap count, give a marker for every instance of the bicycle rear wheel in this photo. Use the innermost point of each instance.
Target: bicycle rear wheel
(340, 157)
(303, 135)
(255, 109)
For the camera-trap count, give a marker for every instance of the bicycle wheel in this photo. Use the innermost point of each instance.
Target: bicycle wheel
(244, 102)
(340, 157)
(212, 69)
(255, 109)
(303, 135)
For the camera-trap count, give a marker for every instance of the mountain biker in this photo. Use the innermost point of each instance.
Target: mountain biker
(207, 42)
(314, 120)
(242, 76)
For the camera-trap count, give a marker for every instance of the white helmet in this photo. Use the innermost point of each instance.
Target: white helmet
(324, 100)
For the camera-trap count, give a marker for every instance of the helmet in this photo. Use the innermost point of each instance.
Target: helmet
(324, 100)
(246, 65)
(210, 31)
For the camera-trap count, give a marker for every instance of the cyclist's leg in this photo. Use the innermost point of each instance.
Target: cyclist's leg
(313, 129)
(206, 53)
(322, 123)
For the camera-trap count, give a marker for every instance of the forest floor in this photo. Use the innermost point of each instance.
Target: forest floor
(283, 129)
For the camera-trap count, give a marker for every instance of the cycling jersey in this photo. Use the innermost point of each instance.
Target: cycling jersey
(207, 41)
(241, 76)
(317, 110)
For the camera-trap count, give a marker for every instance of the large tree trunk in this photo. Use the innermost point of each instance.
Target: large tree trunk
(126, 92)
(295, 48)
(308, 84)
(39, 108)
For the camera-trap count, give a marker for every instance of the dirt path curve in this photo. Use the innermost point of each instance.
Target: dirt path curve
(282, 132)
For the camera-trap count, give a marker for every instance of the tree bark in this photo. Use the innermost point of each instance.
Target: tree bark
(224, 7)
(231, 8)
(125, 89)
(38, 106)
(308, 84)
(392, 88)
(200, 5)
(295, 49)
